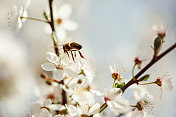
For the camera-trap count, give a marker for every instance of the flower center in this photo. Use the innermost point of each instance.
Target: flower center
(139, 106)
(59, 21)
(158, 81)
(107, 99)
(59, 67)
(116, 76)
(138, 62)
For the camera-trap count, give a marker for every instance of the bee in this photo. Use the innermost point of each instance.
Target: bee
(72, 46)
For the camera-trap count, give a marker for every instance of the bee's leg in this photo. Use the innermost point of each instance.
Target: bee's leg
(75, 54)
(81, 54)
(72, 56)
(68, 54)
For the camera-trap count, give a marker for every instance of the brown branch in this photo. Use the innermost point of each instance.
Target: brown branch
(64, 96)
(53, 28)
(51, 15)
(152, 62)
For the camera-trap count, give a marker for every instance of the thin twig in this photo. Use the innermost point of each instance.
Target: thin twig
(35, 19)
(152, 62)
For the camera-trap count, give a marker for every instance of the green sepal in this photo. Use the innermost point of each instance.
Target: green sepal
(117, 85)
(144, 78)
(45, 15)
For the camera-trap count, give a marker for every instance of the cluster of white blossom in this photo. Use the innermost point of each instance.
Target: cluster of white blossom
(68, 91)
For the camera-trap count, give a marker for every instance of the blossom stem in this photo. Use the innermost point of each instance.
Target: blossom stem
(132, 105)
(114, 83)
(133, 70)
(51, 15)
(146, 83)
(35, 19)
(103, 107)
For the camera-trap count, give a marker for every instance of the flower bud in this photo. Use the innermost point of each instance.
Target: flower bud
(45, 15)
(43, 75)
(158, 44)
(116, 76)
(48, 82)
(138, 62)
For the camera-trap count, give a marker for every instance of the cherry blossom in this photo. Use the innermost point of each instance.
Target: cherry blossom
(116, 73)
(17, 16)
(63, 22)
(165, 83)
(142, 106)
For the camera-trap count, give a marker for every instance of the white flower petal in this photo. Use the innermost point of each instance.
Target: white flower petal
(97, 115)
(35, 108)
(94, 109)
(96, 92)
(20, 13)
(45, 113)
(75, 97)
(58, 74)
(140, 114)
(72, 110)
(65, 11)
(113, 107)
(167, 84)
(52, 57)
(25, 14)
(46, 102)
(58, 116)
(12, 14)
(113, 93)
(135, 113)
(111, 69)
(48, 66)
(61, 34)
(19, 24)
(118, 107)
(70, 25)
(27, 4)
(56, 107)
(70, 73)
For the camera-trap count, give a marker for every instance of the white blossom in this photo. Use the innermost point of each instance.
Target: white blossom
(142, 106)
(165, 83)
(116, 73)
(42, 103)
(84, 110)
(58, 66)
(115, 102)
(63, 22)
(16, 15)
(43, 113)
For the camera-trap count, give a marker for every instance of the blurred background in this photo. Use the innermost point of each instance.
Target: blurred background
(109, 31)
